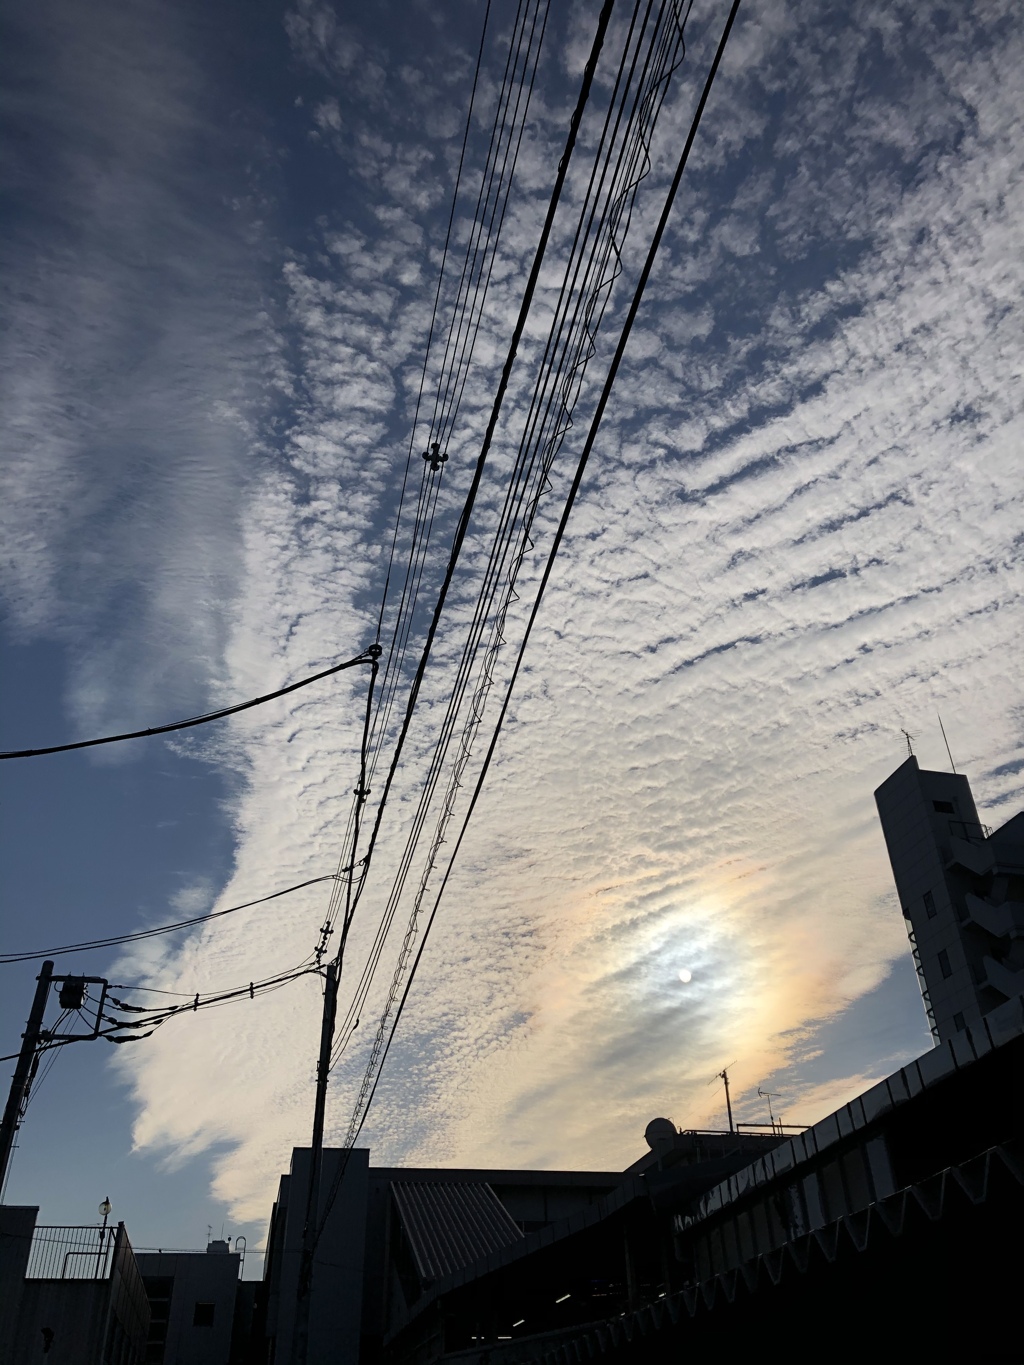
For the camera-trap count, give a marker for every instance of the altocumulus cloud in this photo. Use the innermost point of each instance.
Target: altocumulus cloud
(801, 531)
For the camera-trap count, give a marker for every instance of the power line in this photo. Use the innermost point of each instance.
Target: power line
(517, 333)
(358, 1120)
(470, 297)
(114, 940)
(463, 524)
(153, 1019)
(367, 656)
(578, 322)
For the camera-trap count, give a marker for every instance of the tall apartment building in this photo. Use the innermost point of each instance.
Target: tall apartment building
(961, 887)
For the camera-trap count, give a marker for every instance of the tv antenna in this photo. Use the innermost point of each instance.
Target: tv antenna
(946, 742)
(909, 738)
(723, 1076)
(767, 1095)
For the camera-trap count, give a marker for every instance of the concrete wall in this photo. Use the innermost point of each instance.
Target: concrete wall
(198, 1278)
(336, 1300)
(17, 1224)
(75, 1311)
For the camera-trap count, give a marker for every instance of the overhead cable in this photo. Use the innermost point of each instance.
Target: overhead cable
(563, 522)
(470, 295)
(463, 524)
(467, 510)
(153, 1019)
(115, 940)
(577, 315)
(367, 656)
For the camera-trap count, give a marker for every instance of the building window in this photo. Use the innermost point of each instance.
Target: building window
(944, 966)
(203, 1315)
(958, 1022)
(944, 807)
(929, 905)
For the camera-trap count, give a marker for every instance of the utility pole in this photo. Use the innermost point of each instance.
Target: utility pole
(316, 1160)
(24, 1071)
(724, 1075)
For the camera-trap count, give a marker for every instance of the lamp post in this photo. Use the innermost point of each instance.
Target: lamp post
(105, 1208)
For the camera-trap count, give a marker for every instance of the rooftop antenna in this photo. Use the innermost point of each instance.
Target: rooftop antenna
(723, 1076)
(948, 750)
(767, 1095)
(909, 738)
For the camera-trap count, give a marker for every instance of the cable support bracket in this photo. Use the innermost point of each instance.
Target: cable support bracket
(434, 457)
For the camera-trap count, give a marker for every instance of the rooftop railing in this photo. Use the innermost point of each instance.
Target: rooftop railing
(971, 830)
(71, 1253)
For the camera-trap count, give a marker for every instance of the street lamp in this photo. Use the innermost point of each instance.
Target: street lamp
(105, 1208)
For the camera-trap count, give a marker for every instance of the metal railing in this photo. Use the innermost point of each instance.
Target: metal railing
(970, 830)
(71, 1253)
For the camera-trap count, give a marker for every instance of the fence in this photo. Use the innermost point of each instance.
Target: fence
(75, 1253)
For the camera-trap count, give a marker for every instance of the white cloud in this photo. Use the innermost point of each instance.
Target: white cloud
(800, 531)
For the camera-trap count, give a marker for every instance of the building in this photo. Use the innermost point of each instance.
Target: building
(961, 888)
(394, 1234)
(200, 1308)
(889, 1230)
(82, 1296)
(69, 1295)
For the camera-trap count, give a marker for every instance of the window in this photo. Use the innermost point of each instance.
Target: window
(929, 905)
(944, 966)
(944, 807)
(203, 1315)
(958, 1022)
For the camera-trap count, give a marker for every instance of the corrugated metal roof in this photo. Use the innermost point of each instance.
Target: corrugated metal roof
(452, 1225)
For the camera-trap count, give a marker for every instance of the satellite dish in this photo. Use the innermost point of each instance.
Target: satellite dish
(660, 1132)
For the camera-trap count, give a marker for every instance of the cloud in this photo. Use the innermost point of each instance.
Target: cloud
(138, 363)
(799, 532)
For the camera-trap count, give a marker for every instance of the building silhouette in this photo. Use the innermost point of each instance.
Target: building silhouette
(889, 1230)
(961, 888)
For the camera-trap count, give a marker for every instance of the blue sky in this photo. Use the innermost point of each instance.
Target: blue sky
(799, 534)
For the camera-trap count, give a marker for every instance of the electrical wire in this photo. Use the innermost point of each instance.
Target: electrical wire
(366, 657)
(660, 61)
(463, 523)
(584, 457)
(470, 299)
(360, 1117)
(114, 940)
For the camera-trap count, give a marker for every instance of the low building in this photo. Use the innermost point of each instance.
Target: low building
(394, 1234)
(889, 1230)
(200, 1310)
(71, 1295)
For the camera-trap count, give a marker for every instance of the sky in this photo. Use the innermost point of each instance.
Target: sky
(799, 535)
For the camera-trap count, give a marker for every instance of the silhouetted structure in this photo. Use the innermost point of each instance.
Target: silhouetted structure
(70, 1295)
(878, 1233)
(961, 888)
(200, 1310)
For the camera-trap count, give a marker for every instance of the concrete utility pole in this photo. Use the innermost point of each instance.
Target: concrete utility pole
(24, 1071)
(300, 1348)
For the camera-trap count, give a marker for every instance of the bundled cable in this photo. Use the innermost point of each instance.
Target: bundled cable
(652, 50)
(380, 1054)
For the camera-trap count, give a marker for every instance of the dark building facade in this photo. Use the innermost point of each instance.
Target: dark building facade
(200, 1308)
(68, 1295)
(395, 1237)
(892, 1229)
(961, 888)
